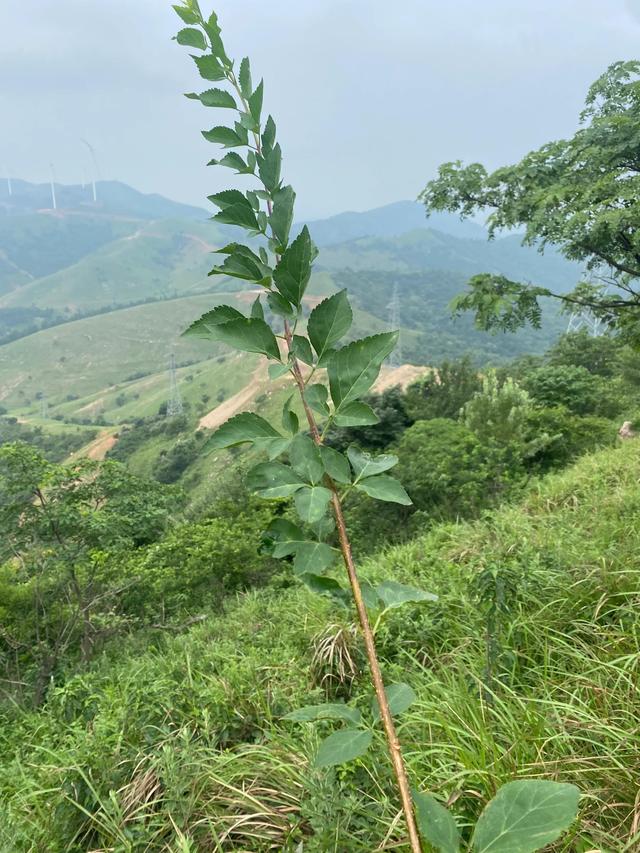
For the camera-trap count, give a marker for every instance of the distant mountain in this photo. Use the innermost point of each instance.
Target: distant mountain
(390, 221)
(113, 199)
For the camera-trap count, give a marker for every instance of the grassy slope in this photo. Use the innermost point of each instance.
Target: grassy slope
(197, 718)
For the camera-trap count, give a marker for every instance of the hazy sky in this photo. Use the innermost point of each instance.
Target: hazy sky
(369, 96)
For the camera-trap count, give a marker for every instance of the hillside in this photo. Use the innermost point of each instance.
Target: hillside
(198, 717)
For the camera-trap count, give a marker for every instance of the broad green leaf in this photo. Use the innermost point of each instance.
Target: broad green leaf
(399, 696)
(369, 596)
(243, 265)
(316, 396)
(233, 160)
(205, 326)
(256, 309)
(192, 38)
(304, 456)
(217, 47)
(189, 16)
(245, 427)
(218, 98)
(273, 480)
(269, 167)
(273, 447)
(279, 305)
(284, 537)
(525, 816)
(282, 216)
(225, 136)
(247, 121)
(353, 369)
(255, 102)
(329, 322)
(356, 414)
(289, 418)
(238, 214)
(241, 130)
(314, 557)
(436, 825)
(275, 371)
(328, 711)
(301, 349)
(384, 488)
(394, 594)
(291, 275)
(244, 77)
(311, 503)
(269, 134)
(335, 464)
(247, 334)
(324, 527)
(209, 67)
(366, 465)
(326, 586)
(343, 746)
(225, 199)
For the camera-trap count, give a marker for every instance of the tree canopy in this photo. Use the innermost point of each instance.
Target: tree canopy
(580, 195)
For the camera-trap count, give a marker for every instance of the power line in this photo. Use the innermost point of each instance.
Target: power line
(174, 403)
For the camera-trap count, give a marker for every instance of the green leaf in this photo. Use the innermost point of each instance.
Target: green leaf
(304, 456)
(291, 275)
(279, 305)
(343, 746)
(284, 537)
(436, 825)
(238, 214)
(289, 418)
(192, 38)
(247, 334)
(366, 465)
(394, 594)
(218, 98)
(256, 309)
(205, 327)
(244, 78)
(209, 67)
(255, 102)
(245, 427)
(301, 349)
(233, 160)
(329, 322)
(273, 480)
(268, 135)
(335, 464)
(275, 371)
(328, 711)
(189, 16)
(525, 816)
(399, 696)
(225, 136)
(213, 31)
(316, 396)
(311, 503)
(326, 586)
(225, 199)
(314, 557)
(353, 369)
(356, 414)
(369, 596)
(269, 167)
(282, 216)
(243, 264)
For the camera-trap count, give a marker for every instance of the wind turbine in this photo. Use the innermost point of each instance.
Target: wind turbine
(96, 170)
(6, 171)
(53, 187)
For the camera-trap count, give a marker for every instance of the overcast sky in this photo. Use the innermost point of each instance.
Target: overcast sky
(369, 96)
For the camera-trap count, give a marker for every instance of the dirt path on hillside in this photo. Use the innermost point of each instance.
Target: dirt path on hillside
(403, 376)
(216, 417)
(99, 447)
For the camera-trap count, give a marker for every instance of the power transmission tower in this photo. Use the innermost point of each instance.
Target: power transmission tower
(585, 319)
(174, 403)
(395, 359)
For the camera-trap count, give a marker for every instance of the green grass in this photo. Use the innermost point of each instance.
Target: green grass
(177, 742)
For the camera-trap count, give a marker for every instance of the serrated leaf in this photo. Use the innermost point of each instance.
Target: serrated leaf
(329, 322)
(269, 167)
(275, 371)
(233, 160)
(282, 215)
(384, 488)
(279, 305)
(242, 215)
(245, 427)
(399, 696)
(269, 134)
(366, 465)
(189, 16)
(225, 199)
(293, 271)
(192, 38)
(209, 67)
(304, 456)
(225, 136)
(218, 98)
(394, 594)
(255, 102)
(326, 711)
(301, 349)
(312, 502)
(353, 369)
(289, 418)
(256, 309)
(284, 537)
(335, 464)
(206, 325)
(316, 396)
(243, 133)
(273, 447)
(273, 480)
(326, 586)
(244, 77)
(436, 825)
(525, 816)
(343, 746)
(213, 31)
(313, 557)
(356, 414)
(245, 266)
(248, 122)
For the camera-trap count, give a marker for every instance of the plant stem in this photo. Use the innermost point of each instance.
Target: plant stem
(395, 750)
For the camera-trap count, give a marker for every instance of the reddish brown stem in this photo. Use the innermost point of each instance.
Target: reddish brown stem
(395, 750)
